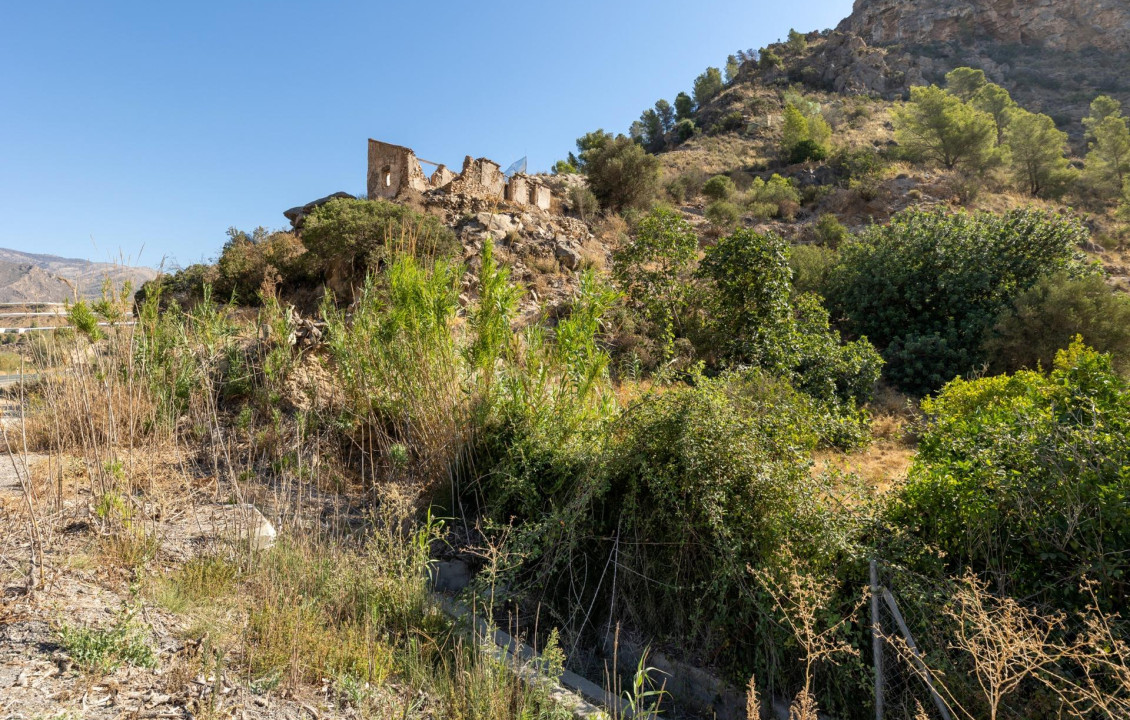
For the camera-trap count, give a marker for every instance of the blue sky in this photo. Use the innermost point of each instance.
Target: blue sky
(157, 125)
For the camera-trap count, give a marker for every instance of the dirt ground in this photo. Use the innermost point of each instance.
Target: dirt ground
(77, 588)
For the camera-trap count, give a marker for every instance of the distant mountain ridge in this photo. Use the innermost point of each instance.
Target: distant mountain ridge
(34, 277)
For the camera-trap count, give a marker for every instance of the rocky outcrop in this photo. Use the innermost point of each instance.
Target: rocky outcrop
(297, 214)
(1070, 25)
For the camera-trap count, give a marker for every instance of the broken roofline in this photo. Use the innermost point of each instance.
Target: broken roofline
(394, 168)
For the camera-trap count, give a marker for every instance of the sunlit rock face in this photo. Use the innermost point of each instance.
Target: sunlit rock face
(1070, 25)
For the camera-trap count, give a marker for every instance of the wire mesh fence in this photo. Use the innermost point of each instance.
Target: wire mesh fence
(952, 648)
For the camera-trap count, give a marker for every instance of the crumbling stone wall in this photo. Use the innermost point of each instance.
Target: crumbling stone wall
(481, 178)
(518, 190)
(395, 168)
(441, 177)
(392, 168)
(540, 196)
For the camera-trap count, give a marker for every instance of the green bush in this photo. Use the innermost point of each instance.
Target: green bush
(830, 231)
(701, 481)
(757, 323)
(126, 642)
(719, 187)
(723, 215)
(1046, 318)
(857, 163)
(653, 270)
(250, 263)
(927, 287)
(621, 174)
(773, 198)
(804, 125)
(729, 122)
(360, 235)
(807, 150)
(770, 60)
(685, 129)
(1025, 477)
(811, 266)
(687, 185)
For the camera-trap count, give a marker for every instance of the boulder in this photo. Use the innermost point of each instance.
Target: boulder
(567, 256)
(244, 524)
(297, 214)
(497, 225)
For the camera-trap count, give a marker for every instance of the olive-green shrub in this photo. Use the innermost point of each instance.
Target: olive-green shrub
(926, 287)
(359, 235)
(1046, 318)
(1026, 477)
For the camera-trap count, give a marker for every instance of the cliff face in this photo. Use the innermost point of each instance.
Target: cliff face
(1070, 25)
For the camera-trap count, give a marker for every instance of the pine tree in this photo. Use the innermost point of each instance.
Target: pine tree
(965, 82)
(939, 127)
(707, 85)
(684, 107)
(1037, 154)
(1108, 157)
(666, 115)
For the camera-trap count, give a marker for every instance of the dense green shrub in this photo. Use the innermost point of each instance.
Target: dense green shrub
(773, 198)
(249, 264)
(1025, 477)
(803, 124)
(756, 322)
(731, 121)
(719, 187)
(807, 150)
(723, 215)
(1045, 319)
(653, 270)
(769, 60)
(686, 186)
(685, 129)
(927, 287)
(857, 164)
(830, 231)
(359, 235)
(811, 266)
(700, 481)
(621, 174)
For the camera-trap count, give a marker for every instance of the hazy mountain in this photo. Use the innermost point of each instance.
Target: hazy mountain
(31, 277)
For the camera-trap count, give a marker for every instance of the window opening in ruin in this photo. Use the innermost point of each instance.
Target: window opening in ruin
(387, 172)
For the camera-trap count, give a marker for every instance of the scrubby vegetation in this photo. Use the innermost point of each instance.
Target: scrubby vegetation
(671, 449)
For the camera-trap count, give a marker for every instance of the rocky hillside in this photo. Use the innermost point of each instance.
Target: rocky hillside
(30, 277)
(1066, 25)
(1054, 56)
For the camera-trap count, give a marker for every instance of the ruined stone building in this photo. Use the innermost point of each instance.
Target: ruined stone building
(394, 169)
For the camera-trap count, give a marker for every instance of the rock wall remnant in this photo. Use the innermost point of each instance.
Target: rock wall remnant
(394, 169)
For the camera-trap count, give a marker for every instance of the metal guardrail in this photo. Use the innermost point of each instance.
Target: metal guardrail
(15, 378)
(22, 330)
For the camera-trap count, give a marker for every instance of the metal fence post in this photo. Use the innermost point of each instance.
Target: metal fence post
(876, 640)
